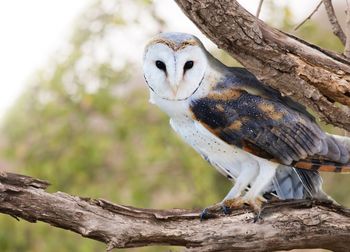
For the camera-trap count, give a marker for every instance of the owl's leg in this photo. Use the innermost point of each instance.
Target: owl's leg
(254, 198)
(245, 177)
(233, 199)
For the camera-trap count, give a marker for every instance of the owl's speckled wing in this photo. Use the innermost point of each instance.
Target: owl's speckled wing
(242, 111)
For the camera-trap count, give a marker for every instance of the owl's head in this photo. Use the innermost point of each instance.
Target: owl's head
(174, 65)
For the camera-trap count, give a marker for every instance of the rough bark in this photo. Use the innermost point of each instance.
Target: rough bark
(285, 225)
(315, 77)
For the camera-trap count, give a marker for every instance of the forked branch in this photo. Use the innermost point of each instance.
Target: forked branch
(285, 225)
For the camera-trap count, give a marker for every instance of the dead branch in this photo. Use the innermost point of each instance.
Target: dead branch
(285, 225)
(336, 28)
(308, 17)
(315, 77)
(259, 8)
(347, 23)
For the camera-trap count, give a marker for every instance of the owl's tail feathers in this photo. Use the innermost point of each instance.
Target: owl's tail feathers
(335, 148)
(334, 156)
(304, 181)
(345, 141)
(292, 183)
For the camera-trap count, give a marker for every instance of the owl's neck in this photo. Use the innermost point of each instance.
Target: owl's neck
(175, 109)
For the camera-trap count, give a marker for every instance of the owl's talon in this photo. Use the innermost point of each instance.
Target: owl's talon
(210, 212)
(257, 217)
(226, 209)
(204, 215)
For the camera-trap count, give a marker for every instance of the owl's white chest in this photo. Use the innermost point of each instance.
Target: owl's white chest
(227, 159)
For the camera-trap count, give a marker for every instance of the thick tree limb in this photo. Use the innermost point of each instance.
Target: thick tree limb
(312, 76)
(285, 225)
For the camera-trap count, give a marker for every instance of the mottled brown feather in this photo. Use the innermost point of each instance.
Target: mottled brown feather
(264, 124)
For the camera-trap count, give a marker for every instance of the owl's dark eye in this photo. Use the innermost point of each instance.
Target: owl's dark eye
(160, 65)
(188, 65)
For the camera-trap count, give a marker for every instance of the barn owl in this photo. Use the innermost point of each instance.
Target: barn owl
(262, 141)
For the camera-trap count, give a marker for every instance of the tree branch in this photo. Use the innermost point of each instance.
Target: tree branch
(336, 28)
(347, 23)
(286, 224)
(312, 76)
(308, 17)
(259, 8)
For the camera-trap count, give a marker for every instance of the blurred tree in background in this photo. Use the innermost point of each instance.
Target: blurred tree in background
(85, 125)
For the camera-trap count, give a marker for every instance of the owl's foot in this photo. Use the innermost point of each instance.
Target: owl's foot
(227, 206)
(214, 211)
(211, 211)
(240, 202)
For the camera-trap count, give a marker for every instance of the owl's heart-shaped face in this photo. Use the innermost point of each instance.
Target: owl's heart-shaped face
(174, 66)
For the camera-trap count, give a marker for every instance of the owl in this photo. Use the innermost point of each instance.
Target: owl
(266, 143)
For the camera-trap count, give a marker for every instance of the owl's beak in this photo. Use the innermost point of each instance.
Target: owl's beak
(175, 82)
(174, 88)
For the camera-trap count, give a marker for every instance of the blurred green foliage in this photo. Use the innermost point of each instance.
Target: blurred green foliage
(85, 125)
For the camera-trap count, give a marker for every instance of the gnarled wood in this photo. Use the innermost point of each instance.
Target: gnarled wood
(285, 225)
(312, 76)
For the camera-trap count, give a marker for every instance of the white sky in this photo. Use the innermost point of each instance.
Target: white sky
(31, 31)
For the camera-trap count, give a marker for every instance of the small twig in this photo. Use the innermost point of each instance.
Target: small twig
(308, 17)
(347, 29)
(259, 8)
(336, 28)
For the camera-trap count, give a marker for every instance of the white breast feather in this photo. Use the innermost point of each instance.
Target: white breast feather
(226, 158)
